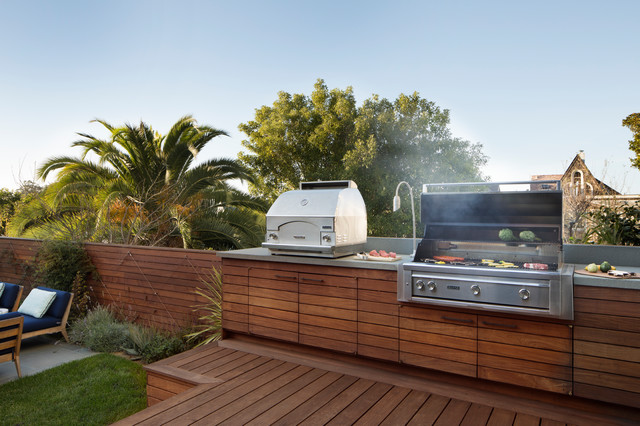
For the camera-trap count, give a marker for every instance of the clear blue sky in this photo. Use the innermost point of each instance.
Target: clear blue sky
(534, 82)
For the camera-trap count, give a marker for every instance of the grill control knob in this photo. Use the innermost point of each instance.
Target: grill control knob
(273, 236)
(327, 238)
(475, 289)
(524, 294)
(431, 285)
(420, 285)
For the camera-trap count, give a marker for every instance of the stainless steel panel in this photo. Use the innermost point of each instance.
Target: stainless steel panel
(482, 289)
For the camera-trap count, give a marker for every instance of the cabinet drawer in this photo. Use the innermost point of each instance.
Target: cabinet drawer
(526, 353)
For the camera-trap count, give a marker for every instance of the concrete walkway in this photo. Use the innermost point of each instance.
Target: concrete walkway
(41, 353)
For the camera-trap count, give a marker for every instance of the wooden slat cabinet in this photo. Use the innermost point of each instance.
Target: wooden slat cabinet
(523, 352)
(438, 339)
(606, 344)
(378, 316)
(273, 303)
(235, 301)
(328, 309)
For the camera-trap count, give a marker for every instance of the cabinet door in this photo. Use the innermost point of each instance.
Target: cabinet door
(235, 296)
(526, 353)
(273, 304)
(607, 344)
(328, 311)
(378, 317)
(438, 339)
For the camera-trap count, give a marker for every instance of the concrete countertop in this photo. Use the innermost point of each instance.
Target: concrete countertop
(262, 254)
(624, 258)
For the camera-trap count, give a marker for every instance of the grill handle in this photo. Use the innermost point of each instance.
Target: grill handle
(497, 324)
(462, 320)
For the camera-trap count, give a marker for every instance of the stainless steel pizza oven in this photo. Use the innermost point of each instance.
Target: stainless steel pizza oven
(323, 219)
(491, 250)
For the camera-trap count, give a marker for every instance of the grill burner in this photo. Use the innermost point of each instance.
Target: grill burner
(463, 228)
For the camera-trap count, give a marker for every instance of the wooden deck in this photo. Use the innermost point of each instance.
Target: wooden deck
(243, 380)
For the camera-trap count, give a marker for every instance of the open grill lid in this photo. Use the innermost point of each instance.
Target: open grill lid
(472, 221)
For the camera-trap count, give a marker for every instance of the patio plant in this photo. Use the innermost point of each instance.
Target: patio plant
(209, 328)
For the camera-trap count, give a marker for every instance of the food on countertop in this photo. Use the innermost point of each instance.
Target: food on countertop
(527, 236)
(488, 260)
(449, 258)
(603, 267)
(592, 267)
(540, 266)
(382, 253)
(506, 235)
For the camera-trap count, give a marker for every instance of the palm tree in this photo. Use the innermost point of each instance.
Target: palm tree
(145, 189)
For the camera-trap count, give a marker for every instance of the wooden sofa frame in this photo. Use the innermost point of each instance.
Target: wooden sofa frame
(11, 332)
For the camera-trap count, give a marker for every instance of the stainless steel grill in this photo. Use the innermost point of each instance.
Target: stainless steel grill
(465, 261)
(323, 219)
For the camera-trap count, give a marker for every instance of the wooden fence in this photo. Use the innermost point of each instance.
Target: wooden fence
(149, 285)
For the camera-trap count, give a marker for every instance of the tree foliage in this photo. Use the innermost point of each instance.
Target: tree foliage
(140, 187)
(8, 201)
(326, 136)
(633, 123)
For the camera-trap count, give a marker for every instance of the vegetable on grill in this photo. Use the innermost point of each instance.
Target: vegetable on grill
(506, 235)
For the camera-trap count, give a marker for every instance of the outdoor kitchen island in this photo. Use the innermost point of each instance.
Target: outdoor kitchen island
(350, 306)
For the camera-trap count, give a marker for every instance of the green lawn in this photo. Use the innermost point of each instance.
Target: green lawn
(98, 390)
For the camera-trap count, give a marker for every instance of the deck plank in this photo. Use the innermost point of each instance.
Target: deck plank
(454, 413)
(249, 383)
(501, 417)
(406, 409)
(338, 403)
(303, 411)
(243, 396)
(526, 420)
(284, 407)
(477, 415)
(273, 398)
(430, 410)
(361, 405)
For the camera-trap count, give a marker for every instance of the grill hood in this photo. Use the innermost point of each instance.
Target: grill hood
(324, 219)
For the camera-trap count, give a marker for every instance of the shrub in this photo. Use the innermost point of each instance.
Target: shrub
(615, 226)
(59, 261)
(100, 331)
(152, 345)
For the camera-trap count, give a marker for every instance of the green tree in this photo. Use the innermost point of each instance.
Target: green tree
(633, 123)
(8, 200)
(327, 136)
(145, 189)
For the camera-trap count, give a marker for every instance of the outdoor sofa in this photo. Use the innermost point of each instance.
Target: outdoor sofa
(53, 320)
(10, 297)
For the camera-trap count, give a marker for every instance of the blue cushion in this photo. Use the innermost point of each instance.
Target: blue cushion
(10, 315)
(9, 295)
(33, 323)
(59, 305)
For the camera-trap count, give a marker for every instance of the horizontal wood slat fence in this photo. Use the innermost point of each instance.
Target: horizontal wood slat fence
(153, 286)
